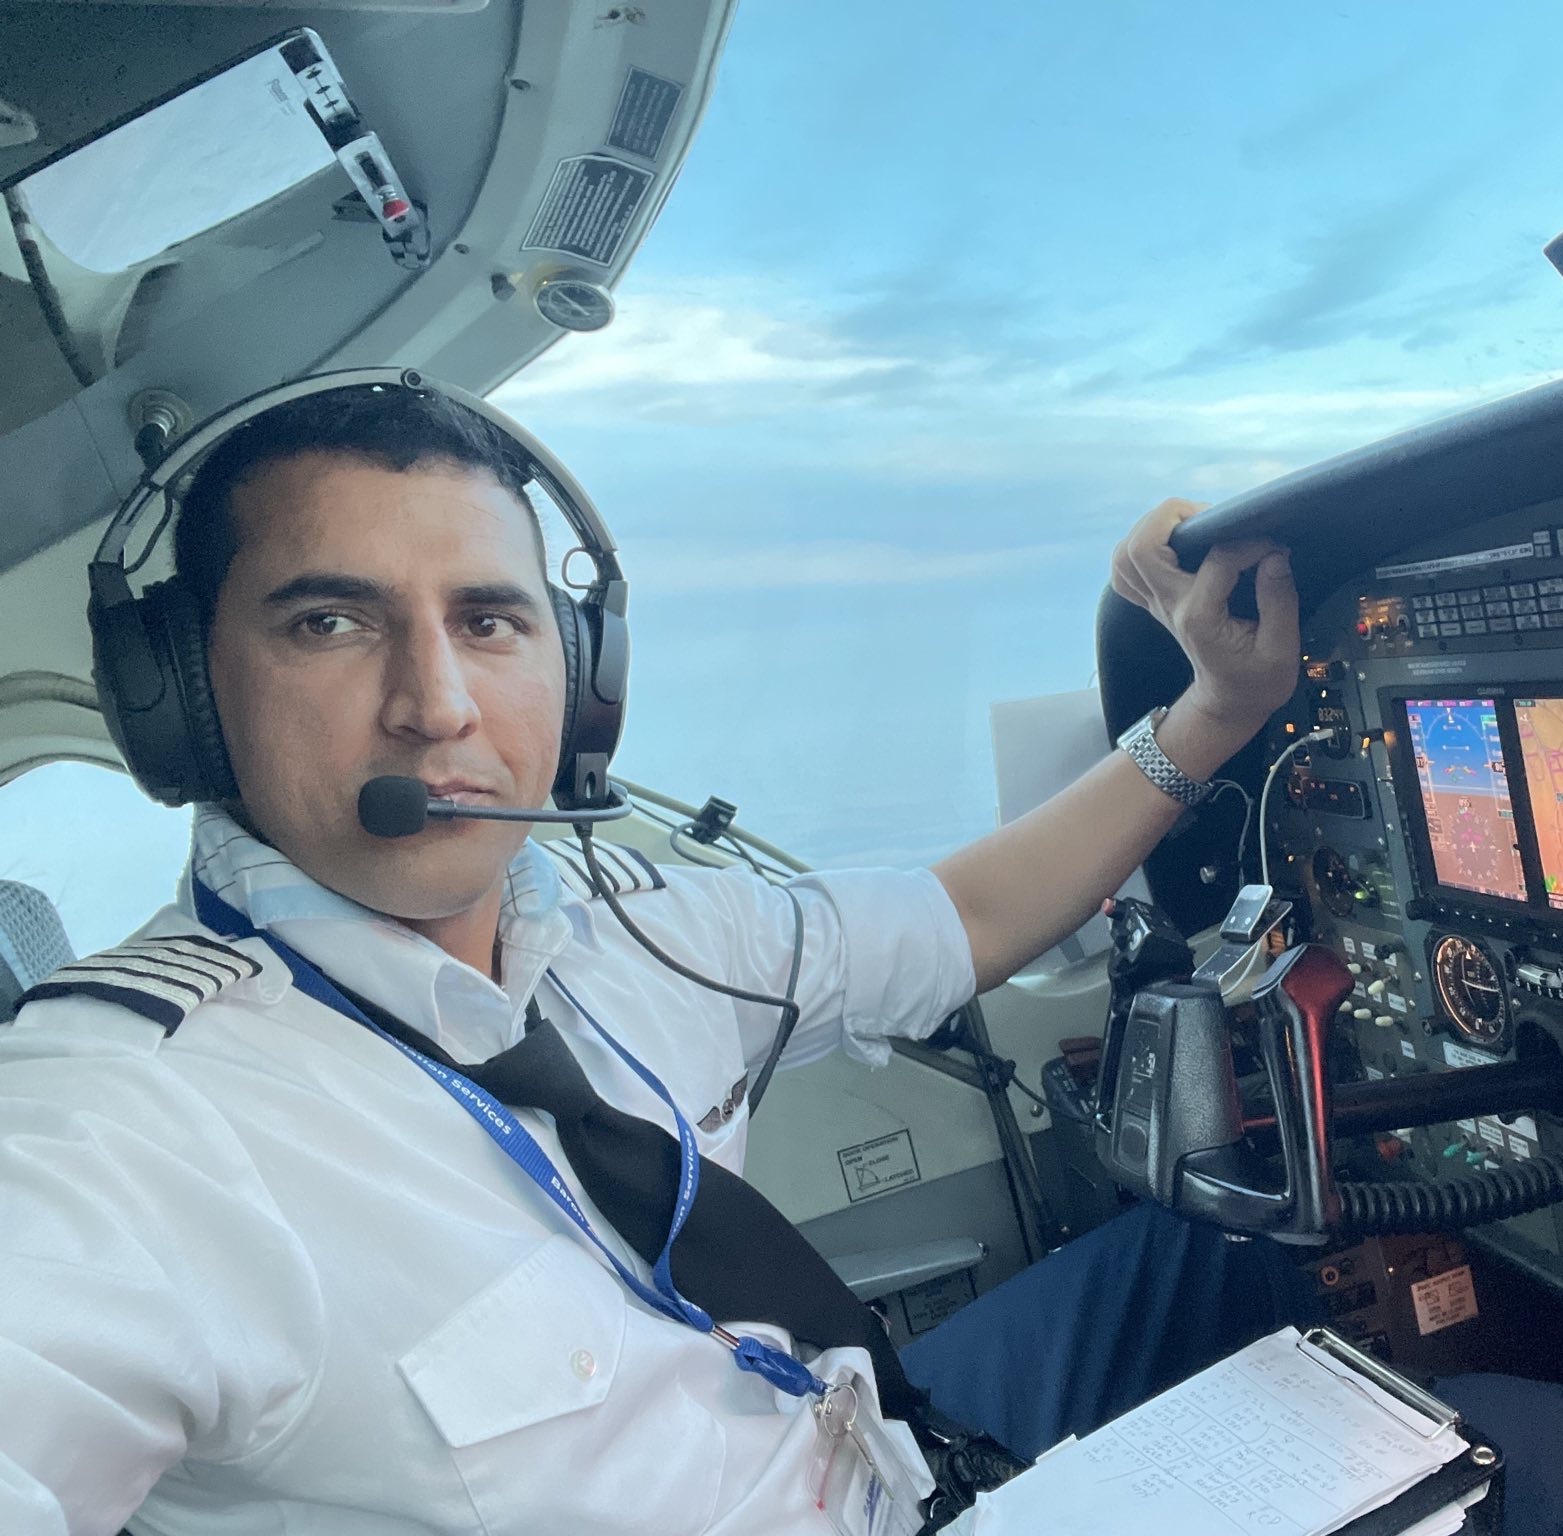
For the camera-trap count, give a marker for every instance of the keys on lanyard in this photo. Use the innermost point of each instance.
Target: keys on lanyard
(858, 1476)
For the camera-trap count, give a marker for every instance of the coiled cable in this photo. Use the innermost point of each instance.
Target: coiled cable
(1430, 1207)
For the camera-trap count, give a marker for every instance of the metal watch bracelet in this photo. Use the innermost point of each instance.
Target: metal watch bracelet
(1140, 743)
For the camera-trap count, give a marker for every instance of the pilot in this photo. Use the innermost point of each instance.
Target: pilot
(342, 1198)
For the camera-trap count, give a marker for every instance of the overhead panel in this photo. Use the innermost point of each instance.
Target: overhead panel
(535, 150)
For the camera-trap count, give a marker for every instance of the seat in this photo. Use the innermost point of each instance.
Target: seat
(879, 1271)
(32, 942)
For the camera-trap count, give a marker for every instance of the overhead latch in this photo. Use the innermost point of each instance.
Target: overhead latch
(404, 224)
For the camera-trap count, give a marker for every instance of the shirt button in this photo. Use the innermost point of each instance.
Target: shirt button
(584, 1364)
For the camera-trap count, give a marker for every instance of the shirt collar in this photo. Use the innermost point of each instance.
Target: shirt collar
(380, 959)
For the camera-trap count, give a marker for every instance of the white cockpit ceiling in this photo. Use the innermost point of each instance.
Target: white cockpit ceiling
(478, 110)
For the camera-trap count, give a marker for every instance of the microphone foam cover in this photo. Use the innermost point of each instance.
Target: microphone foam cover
(392, 806)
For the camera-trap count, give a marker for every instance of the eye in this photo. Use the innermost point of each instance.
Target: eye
(493, 626)
(327, 625)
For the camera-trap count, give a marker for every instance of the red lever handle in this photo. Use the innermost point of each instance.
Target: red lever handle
(1298, 998)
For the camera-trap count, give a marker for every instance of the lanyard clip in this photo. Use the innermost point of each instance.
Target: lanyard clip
(770, 1363)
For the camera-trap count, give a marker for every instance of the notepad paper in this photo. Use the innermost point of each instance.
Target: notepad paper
(1276, 1440)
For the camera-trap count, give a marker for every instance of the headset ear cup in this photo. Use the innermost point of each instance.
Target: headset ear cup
(174, 618)
(575, 640)
(129, 681)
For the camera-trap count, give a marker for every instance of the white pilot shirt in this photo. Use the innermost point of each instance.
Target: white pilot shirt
(263, 1276)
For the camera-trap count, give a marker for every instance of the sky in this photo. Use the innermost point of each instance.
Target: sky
(945, 298)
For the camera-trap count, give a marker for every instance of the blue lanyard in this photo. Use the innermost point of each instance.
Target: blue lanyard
(750, 1354)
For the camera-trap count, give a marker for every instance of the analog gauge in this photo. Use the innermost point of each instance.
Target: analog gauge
(1337, 885)
(574, 303)
(1470, 989)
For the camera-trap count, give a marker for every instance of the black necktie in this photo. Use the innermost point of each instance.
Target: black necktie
(738, 1257)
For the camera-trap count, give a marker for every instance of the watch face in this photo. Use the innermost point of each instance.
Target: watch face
(574, 303)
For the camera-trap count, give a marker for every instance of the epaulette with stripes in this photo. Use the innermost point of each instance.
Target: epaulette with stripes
(164, 979)
(624, 869)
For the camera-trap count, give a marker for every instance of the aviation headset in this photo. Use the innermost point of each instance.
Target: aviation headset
(149, 652)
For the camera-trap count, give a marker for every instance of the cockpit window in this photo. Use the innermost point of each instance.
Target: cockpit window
(85, 836)
(938, 309)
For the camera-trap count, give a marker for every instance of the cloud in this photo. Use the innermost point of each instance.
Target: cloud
(1285, 418)
(1216, 478)
(1352, 282)
(784, 383)
(724, 353)
(669, 345)
(678, 567)
(1329, 118)
(936, 311)
(1232, 439)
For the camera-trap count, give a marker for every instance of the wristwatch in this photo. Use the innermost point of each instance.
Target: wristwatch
(1139, 741)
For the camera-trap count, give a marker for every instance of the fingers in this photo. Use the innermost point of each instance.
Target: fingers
(1125, 579)
(1212, 583)
(1277, 594)
(1144, 568)
(1158, 523)
(1243, 666)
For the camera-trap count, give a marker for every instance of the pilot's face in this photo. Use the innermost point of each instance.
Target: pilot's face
(375, 622)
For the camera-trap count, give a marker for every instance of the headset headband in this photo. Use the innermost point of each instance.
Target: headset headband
(565, 491)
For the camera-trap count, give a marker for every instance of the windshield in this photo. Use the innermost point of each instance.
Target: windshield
(946, 298)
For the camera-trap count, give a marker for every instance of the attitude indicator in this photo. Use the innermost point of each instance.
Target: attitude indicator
(1465, 796)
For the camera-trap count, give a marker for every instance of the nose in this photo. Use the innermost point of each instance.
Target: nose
(426, 693)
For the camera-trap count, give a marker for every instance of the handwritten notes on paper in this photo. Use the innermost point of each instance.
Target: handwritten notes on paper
(1277, 1440)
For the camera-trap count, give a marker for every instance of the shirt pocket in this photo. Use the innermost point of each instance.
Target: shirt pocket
(554, 1417)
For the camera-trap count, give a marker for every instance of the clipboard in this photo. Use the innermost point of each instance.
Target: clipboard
(1481, 1462)
(1265, 1439)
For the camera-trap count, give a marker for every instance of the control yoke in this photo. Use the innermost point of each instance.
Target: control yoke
(1171, 1123)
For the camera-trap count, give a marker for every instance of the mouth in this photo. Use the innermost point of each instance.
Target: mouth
(459, 790)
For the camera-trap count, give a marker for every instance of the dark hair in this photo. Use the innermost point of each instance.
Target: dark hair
(394, 428)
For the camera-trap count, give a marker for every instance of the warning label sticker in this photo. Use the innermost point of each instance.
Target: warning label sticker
(875, 1167)
(1444, 1300)
(588, 209)
(928, 1305)
(646, 107)
(1464, 1056)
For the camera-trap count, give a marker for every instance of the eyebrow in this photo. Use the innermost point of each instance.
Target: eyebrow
(337, 586)
(328, 585)
(495, 594)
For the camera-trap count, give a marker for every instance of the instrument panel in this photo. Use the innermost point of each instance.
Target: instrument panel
(1426, 839)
